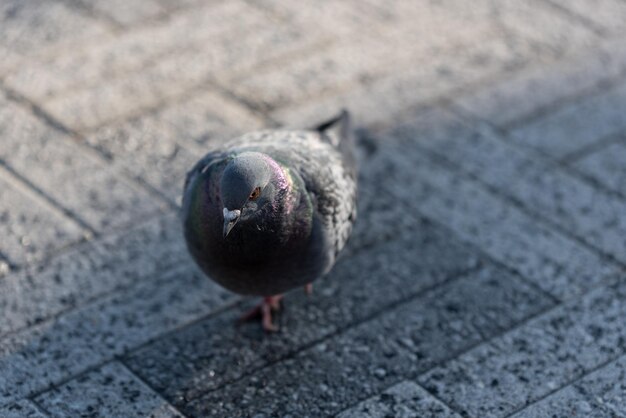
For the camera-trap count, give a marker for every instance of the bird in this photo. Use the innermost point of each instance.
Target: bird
(271, 210)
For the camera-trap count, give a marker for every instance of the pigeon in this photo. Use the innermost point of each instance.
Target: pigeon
(271, 210)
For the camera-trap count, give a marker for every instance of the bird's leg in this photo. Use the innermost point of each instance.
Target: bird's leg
(308, 288)
(264, 310)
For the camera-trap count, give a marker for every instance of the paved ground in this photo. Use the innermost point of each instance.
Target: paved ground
(484, 278)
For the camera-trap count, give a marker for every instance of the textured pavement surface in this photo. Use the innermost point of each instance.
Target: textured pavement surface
(485, 276)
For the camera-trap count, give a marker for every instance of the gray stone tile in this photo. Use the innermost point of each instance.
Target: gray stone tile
(332, 18)
(541, 187)
(183, 71)
(48, 353)
(29, 227)
(607, 14)
(208, 118)
(353, 62)
(213, 352)
(607, 166)
(405, 400)
(398, 93)
(73, 176)
(576, 125)
(511, 99)
(21, 409)
(162, 147)
(361, 362)
(599, 394)
(532, 19)
(605, 388)
(127, 13)
(567, 402)
(90, 270)
(112, 57)
(30, 27)
(522, 366)
(109, 391)
(553, 262)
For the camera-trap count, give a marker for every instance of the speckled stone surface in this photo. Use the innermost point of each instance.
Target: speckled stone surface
(89, 271)
(580, 124)
(109, 391)
(572, 203)
(599, 394)
(607, 166)
(21, 216)
(552, 261)
(492, 380)
(21, 409)
(403, 400)
(365, 359)
(77, 180)
(484, 276)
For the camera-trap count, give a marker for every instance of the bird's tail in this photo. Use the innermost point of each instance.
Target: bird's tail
(338, 131)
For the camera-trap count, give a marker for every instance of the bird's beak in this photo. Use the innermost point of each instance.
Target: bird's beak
(230, 219)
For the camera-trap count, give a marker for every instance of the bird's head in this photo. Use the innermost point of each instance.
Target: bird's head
(251, 184)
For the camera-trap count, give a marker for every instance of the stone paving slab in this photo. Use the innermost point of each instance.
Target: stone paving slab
(21, 215)
(126, 13)
(489, 244)
(73, 176)
(46, 77)
(108, 391)
(577, 125)
(607, 14)
(398, 94)
(607, 165)
(21, 409)
(357, 61)
(30, 27)
(90, 270)
(361, 362)
(45, 354)
(180, 72)
(554, 263)
(584, 211)
(200, 358)
(493, 380)
(514, 99)
(534, 20)
(406, 399)
(600, 394)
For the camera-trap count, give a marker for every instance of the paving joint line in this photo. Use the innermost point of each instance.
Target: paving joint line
(40, 407)
(149, 387)
(169, 269)
(77, 139)
(596, 146)
(40, 262)
(88, 10)
(26, 186)
(601, 87)
(116, 357)
(341, 330)
(563, 164)
(567, 383)
(587, 23)
(514, 201)
(458, 353)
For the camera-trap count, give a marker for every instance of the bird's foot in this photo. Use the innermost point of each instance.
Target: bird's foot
(264, 310)
(308, 288)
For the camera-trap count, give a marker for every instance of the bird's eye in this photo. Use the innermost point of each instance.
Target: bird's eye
(255, 194)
